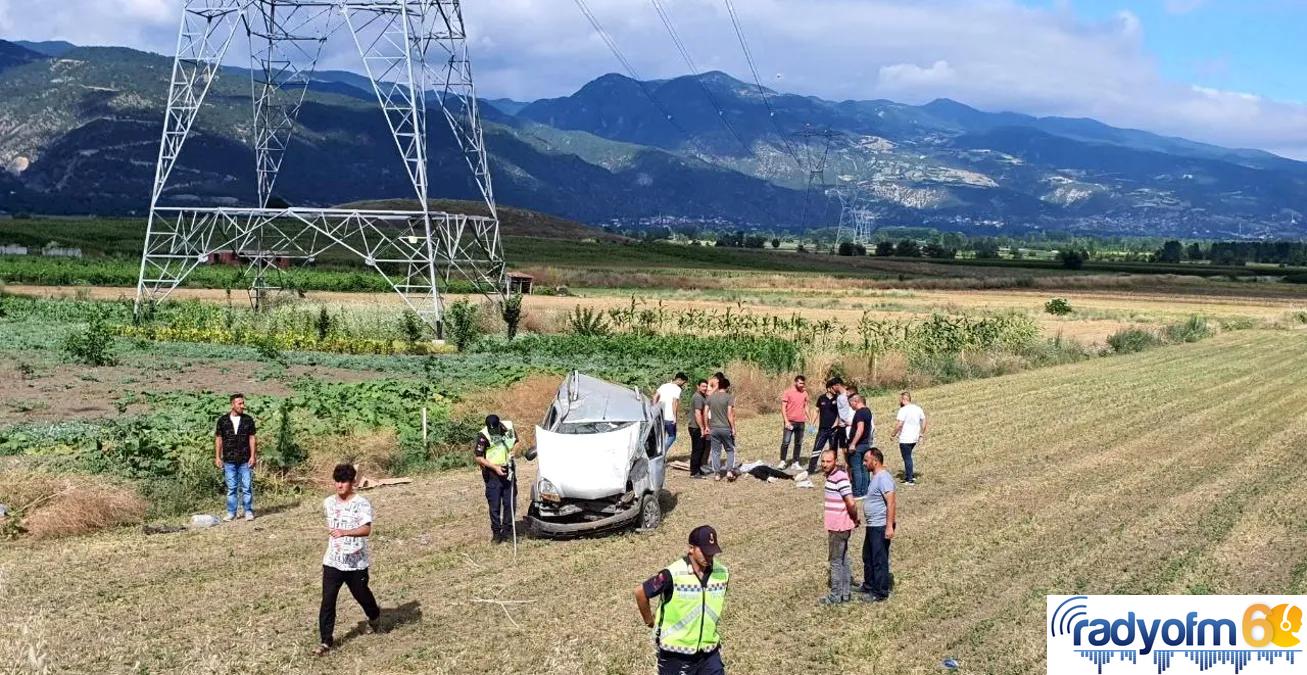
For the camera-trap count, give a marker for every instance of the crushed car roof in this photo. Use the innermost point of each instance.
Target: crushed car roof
(583, 398)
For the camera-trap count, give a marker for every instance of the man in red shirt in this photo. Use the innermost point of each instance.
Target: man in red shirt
(794, 416)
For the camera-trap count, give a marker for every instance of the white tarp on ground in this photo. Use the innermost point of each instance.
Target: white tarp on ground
(587, 466)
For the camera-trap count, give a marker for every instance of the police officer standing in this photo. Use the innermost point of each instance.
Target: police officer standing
(494, 453)
(692, 592)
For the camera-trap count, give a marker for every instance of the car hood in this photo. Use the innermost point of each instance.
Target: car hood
(587, 466)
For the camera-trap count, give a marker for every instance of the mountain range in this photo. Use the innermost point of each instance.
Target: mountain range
(79, 133)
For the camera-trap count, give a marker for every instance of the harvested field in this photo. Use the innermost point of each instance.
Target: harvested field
(1175, 470)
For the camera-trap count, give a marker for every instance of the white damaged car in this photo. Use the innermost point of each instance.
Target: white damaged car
(601, 461)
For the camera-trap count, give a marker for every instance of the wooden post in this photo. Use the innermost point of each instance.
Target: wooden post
(424, 426)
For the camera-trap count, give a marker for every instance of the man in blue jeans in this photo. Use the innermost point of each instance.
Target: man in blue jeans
(859, 441)
(667, 398)
(234, 452)
(880, 509)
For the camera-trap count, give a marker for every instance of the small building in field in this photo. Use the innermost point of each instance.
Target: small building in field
(54, 250)
(13, 249)
(238, 258)
(520, 283)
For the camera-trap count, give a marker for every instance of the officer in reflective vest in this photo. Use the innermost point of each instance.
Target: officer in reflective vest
(686, 624)
(494, 451)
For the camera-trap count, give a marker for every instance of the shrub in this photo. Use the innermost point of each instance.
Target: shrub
(587, 322)
(1058, 307)
(286, 453)
(268, 350)
(1193, 329)
(511, 312)
(1072, 260)
(411, 326)
(1130, 340)
(1300, 278)
(323, 324)
(461, 324)
(93, 346)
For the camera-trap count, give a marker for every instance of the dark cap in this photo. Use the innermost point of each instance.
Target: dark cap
(706, 539)
(492, 421)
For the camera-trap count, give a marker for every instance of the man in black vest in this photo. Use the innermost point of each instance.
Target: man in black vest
(234, 452)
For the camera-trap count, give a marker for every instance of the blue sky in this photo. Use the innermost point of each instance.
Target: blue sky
(1255, 46)
(1228, 72)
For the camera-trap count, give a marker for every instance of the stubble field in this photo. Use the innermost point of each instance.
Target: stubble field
(1177, 470)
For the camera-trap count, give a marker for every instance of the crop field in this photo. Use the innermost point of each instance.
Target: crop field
(1176, 470)
(1144, 437)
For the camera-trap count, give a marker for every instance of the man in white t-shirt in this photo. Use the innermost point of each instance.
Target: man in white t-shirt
(668, 397)
(349, 523)
(910, 432)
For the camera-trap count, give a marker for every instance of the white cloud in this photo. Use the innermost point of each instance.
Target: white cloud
(906, 76)
(992, 54)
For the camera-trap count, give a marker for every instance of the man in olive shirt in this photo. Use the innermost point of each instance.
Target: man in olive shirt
(698, 440)
(234, 452)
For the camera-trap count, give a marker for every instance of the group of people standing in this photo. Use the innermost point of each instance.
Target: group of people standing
(712, 424)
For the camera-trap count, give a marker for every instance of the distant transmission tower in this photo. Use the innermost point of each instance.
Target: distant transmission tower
(814, 146)
(415, 55)
(857, 219)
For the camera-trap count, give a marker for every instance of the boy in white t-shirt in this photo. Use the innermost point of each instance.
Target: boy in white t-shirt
(910, 431)
(668, 397)
(349, 523)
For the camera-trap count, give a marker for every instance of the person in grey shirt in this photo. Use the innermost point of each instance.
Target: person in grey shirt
(879, 510)
(721, 429)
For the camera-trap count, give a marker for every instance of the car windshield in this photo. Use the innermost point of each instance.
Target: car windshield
(596, 427)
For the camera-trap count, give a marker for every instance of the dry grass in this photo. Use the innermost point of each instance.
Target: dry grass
(1110, 476)
(372, 452)
(524, 402)
(59, 506)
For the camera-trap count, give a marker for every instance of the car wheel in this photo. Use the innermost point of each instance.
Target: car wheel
(651, 512)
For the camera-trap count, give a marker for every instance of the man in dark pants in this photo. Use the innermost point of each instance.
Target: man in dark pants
(493, 453)
(828, 418)
(692, 593)
(879, 508)
(698, 441)
(349, 523)
(859, 444)
(234, 446)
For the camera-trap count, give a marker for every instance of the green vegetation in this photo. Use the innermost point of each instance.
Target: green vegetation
(1130, 340)
(92, 346)
(1058, 307)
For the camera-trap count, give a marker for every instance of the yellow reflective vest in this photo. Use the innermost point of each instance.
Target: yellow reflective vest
(687, 622)
(499, 445)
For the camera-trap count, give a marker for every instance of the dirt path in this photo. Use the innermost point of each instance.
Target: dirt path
(1147, 473)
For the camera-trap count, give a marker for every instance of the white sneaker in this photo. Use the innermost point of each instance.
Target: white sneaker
(801, 476)
(229, 517)
(780, 466)
(249, 515)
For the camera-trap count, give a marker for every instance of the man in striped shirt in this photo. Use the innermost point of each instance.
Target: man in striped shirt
(841, 518)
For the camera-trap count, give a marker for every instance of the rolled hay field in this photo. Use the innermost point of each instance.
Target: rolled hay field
(1176, 470)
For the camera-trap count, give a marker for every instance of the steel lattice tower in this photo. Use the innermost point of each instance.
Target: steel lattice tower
(857, 219)
(415, 54)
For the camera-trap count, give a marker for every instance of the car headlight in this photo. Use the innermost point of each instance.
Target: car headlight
(548, 491)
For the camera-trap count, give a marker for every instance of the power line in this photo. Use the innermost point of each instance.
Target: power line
(762, 91)
(626, 64)
(694, 70)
